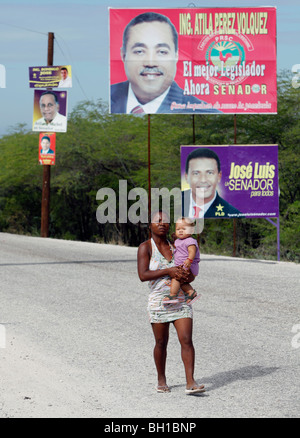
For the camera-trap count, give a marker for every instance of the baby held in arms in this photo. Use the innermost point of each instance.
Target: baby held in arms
(187, 254)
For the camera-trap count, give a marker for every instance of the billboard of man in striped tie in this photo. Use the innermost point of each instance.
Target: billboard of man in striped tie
(150, 54)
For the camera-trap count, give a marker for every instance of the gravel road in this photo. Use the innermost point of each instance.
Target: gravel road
(75, 340)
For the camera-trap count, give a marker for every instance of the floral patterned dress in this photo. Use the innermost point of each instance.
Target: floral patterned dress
(158, 311)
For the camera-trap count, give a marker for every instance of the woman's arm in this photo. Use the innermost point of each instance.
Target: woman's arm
(143, 258)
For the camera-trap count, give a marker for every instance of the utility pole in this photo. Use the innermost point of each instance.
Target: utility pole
(45, 210)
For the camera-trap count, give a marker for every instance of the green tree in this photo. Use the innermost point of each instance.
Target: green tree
(100, 149)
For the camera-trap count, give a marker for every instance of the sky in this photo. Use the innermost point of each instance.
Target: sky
(81, 40)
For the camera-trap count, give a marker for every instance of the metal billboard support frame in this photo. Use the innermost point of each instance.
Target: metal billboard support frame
(277, 225)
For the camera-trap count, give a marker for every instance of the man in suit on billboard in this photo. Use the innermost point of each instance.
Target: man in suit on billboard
(45, 145)
(150, 55)
(203, 173)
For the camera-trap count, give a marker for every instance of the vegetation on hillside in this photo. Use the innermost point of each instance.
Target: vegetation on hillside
(100, 149)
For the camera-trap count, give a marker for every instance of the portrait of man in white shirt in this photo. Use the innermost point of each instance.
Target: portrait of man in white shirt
(66, 81)
(51, 119)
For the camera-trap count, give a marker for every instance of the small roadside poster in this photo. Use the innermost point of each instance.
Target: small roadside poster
(50, 77)
(47, 148)
(50, 111)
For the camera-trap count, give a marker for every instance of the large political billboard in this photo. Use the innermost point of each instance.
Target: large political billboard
(193, 60)
(230, 181)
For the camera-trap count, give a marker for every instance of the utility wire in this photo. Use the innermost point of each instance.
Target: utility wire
(70, 57)
(55, 41)
(23, 28)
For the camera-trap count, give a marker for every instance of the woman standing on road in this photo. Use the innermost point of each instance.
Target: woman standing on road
(156, 265)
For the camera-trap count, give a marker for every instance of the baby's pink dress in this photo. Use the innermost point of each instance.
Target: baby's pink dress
(181, 253)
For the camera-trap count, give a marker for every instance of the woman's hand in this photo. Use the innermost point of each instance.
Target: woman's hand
(181, 274)
(173, 272)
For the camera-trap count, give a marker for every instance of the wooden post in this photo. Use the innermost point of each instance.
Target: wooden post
(149, 174)
(45, 210)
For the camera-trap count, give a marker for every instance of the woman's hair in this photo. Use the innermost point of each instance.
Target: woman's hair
(159, 212)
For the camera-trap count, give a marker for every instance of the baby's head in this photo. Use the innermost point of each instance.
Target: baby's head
(184, 227)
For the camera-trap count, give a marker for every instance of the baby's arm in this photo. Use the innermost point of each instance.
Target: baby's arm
(191, 255)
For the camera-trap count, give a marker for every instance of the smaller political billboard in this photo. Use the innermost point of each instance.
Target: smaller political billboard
(230, 181)
(47, 148)
(50, 111)
(50, 77)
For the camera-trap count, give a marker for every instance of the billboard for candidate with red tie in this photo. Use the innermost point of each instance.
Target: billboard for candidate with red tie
(193, 60)
(230, 181)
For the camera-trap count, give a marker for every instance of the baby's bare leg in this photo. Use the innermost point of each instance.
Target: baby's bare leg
(175, 286)
(187, 288)
(174, 289)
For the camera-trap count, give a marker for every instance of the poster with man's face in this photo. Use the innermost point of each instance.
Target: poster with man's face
(47, 148)
(50, 111)
(193, 60)
(230, 181)
(50, 77)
